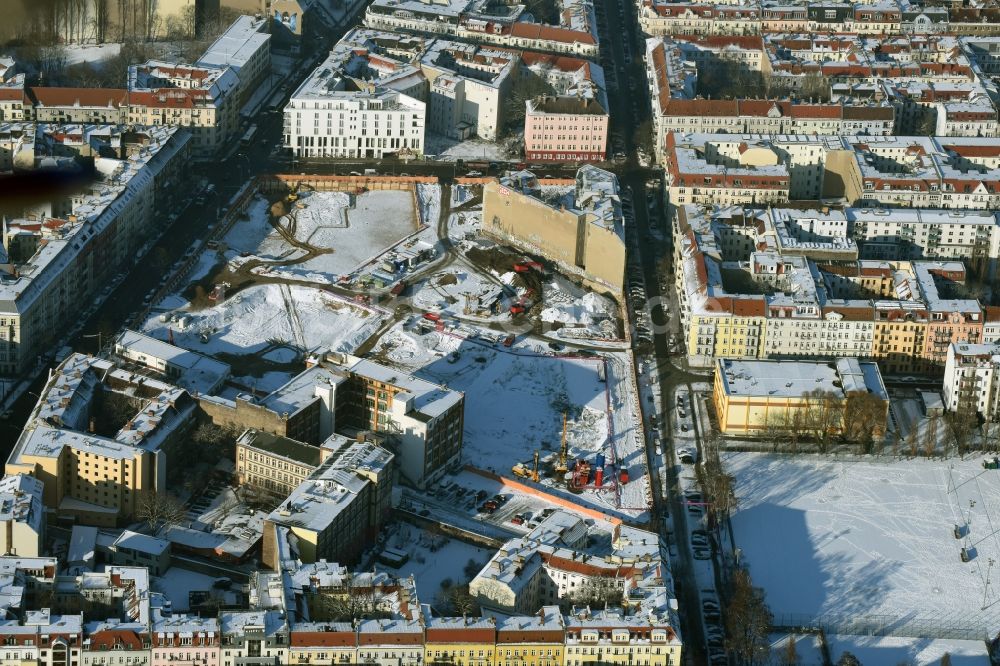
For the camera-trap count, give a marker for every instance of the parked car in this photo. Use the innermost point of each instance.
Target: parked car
(687, 456)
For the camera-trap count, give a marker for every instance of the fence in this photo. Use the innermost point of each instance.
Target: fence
(970, 625)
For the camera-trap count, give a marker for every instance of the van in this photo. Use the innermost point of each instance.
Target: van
(370, 172)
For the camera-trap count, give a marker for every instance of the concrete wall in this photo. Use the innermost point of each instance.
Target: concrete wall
(595, 255)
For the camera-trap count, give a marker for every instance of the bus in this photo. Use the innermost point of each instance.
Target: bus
(248, 137)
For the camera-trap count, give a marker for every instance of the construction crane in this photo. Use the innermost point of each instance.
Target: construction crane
(561, 467)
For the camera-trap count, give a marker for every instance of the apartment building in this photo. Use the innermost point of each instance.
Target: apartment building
(245, 47)
(866, 171)
(184, 640)
(971, 380)
(420, 421)
(478, 21)
(57, 263)
(881, 19)
(814, 300)
(907, 234)
(22, 516)
(205, 100)
(336, 511)
(334, 114)
(572, 123)
(582, 232)
(758, 397)
(194, 372)
(278, 464)
(467, 86)
(97, 106)
(99, 479)
(21, 639)
(253, 638)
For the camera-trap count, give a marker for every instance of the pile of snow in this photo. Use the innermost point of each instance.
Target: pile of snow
(444, 148)
(835, 539)
(449, 290)
(569, 305)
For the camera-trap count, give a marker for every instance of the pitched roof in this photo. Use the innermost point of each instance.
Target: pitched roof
(92, 97)
(550, 33)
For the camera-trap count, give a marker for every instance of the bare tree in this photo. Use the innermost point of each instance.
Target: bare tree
(598, 592)
(864, 419)
(848, 659)
(718, 485)
(157, 509)
(825, 416)
(748, 620)
(791, 654)
(355, 598)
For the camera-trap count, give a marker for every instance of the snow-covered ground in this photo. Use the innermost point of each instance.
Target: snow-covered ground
(347, 231)
(808, 649)
(259, 316)
(90, 53)
(834, 539)
(443, 148)
(433, 558)
(458, 291)
(517, 397)
(177, 584)
(893, 651)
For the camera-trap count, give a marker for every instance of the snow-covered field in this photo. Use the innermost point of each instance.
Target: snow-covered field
(433, 558)
(90, 53)
(257, 317)
(893, 651)
(346, 230)
(832, 538)
(443, 148)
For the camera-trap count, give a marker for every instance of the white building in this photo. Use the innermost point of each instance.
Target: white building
(971, 378)
(22, 517)
(190, 370)
(333, 114)
(467, 88)
(245, 47)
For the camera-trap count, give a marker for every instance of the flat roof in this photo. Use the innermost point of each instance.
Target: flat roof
(793, 379)
(281, 446)
(237, 44)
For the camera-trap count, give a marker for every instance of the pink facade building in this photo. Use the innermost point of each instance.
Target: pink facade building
(184, 640)
(570, 125)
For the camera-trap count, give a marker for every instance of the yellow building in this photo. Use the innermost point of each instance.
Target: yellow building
(755, 397)
(603, 639)
(900, 335)
(458, 641)
(531, 640)
(274, 463)
(583, 233)
(99, 480)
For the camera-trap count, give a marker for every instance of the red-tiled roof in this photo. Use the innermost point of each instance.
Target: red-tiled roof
(95, 97)
(550, 33)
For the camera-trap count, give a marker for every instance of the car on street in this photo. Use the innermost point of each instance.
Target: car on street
(687, 455)
(702, 554)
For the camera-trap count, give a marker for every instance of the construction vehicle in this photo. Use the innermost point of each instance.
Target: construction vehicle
(561, 467)
(293, 194)
(526, 266)
(522, 471)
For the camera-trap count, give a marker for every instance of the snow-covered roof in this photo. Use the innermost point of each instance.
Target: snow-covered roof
(92, 214)
(21, 500)
(793, 379)
(237, 45)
